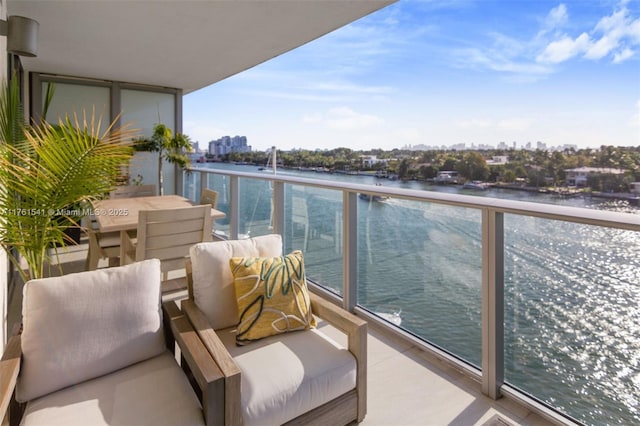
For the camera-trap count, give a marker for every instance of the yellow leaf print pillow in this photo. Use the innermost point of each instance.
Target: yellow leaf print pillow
(272, 296)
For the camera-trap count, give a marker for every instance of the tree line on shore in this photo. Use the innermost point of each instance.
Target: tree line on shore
(537, 168)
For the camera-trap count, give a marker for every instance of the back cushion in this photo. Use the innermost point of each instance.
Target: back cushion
(81, 326)
(213, 289)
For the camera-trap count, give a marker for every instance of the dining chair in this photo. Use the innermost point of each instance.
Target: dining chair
(107, 244)
(168, 235)
(98, 347)
(300, 217)
(209, 196)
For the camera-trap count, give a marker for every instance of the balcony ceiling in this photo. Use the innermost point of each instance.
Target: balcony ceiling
(179, 44)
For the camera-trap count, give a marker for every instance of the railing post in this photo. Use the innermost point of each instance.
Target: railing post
(204, 177)
(492, 302)
(277, 208)
(350, 249)
(179, 180)
(234, 207)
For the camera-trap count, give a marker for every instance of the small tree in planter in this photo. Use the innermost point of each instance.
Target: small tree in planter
(173, 148)
(46, 174)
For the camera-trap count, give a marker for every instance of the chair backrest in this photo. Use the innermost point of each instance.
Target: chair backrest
(209, 196)
(73, 326)
(169, 234)
(133, 191)
(210, 279)
(299, 211)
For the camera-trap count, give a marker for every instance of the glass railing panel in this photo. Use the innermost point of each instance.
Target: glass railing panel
(420, 264)
(255, 208)
(572, 317)
(219, 183)
(191, 185)
(313, 224)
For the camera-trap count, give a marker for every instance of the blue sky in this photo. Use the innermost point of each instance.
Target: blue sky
(443, 72)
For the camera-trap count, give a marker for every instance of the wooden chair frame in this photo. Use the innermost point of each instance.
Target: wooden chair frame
(97, 249)
(168, 234)
(133, 191)
(349, 407)
(209, 196)
(203, 373)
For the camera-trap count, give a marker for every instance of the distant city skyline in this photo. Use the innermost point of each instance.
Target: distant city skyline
(442, 72)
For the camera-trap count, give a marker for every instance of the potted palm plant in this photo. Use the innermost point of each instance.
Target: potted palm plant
(170, 147)
(48, 177)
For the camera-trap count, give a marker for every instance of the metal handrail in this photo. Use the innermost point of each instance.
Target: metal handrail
(580, 215)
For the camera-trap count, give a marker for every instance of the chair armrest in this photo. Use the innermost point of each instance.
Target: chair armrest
(201, 365)
(9, 369)
(231, 372)
(356, 330)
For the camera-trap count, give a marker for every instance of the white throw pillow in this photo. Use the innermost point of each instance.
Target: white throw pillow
(80, 326)
(213, 289)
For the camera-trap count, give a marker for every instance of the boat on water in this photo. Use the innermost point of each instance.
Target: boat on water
(271, 165)
(447, 176)
(476, 184)
(393, 317)
(372, 197)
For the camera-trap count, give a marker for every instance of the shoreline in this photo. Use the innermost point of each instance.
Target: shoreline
(562, 192)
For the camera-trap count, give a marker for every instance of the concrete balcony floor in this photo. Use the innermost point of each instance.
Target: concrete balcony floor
(406, 386)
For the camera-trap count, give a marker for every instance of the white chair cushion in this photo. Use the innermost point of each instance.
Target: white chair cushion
(287, 375)
(213, 289)
(154, 392)
(81, 326)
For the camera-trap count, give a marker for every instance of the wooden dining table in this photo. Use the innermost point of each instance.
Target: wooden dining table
(121, 214)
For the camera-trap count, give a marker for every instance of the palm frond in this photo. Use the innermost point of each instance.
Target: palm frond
(44, 179)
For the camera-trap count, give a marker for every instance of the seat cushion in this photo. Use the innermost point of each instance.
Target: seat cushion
(289, 374)
(153, 392)
(84, 325)
(272, 296)
(213, 290)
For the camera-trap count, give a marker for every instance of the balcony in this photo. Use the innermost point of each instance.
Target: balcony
(534, 304)
(474, 344)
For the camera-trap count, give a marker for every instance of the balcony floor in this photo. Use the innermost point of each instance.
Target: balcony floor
(406, 386)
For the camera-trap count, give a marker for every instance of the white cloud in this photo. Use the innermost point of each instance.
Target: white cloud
(623, 55)
(602, 47)
(497, 60)
(564, 49)
(615, 35)
(557, 17)
(343, 118)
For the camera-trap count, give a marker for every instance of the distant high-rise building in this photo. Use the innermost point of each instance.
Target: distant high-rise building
(227, 144)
